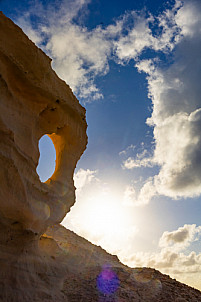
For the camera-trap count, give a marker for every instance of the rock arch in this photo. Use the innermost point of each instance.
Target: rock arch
(34, 102)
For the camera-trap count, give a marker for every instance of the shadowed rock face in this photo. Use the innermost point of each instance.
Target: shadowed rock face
(34, 102)
(96, 276)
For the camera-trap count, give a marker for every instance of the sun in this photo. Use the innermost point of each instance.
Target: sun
(103, 219)
(104, 215)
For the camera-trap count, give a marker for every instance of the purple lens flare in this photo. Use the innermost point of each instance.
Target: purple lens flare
(107, 281)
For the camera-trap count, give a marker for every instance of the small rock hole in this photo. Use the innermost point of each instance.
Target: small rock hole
(46, 165)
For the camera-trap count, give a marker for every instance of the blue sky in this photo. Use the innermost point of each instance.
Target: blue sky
(135, 66)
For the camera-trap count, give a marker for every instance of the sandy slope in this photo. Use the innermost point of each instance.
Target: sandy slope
(85, 263)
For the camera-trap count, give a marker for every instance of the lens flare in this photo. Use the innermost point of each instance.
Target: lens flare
(107, 281)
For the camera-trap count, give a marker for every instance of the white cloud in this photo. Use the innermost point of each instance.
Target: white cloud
(128, 149)
(25, 23)
(129, 196)
(175, 93)
(177, 117)
(173, 257)
(139, 162)
(80, 54)
(147, 191)
(84, 177)
(132, 198)
(188, 18)
(136, 40)
(180, 238)
(140, 37)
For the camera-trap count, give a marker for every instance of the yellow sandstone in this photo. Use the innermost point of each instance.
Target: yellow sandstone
(34, 102)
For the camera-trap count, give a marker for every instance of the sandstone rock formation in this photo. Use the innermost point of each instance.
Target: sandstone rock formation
(34, 102)
(41, 261)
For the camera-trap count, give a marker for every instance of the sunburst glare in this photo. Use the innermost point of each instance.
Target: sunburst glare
(104, 220)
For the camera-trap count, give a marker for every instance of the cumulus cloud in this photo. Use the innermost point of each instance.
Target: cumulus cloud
(139, 161)
(172, 246)
(132, 198)
(25, 23)
(173, 258)
(142, 158)
(80, 54)
(83, 178)
(180, 238)
(188, 18)
(140, 36)
(129, 195)
(175, 93)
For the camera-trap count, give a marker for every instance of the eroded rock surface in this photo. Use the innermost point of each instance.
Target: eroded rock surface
(34, 102)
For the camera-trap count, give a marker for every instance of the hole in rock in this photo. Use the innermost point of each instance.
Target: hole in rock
(46, 165)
